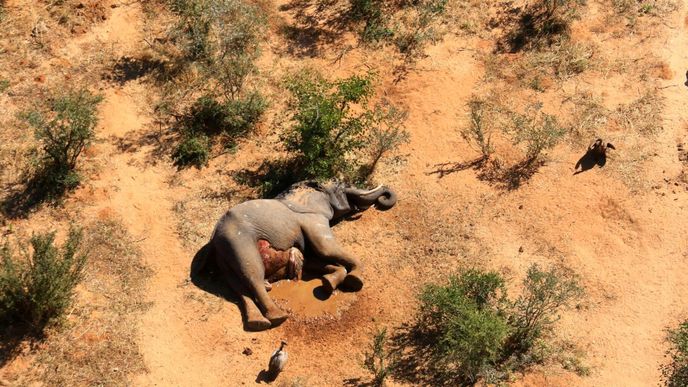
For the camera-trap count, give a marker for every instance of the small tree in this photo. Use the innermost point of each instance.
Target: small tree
(675, 374)
(39, 289)
(64, 129)
(330, 124)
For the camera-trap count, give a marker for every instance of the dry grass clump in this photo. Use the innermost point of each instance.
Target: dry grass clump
(78, 15)
(469, 16)
(98, 345)
(637, 8)
(644, 115)
(588, 116)
(539, 69)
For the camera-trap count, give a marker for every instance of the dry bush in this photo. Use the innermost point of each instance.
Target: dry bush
(468, 16)
(409, 25)
(210, 73)
(541, 23)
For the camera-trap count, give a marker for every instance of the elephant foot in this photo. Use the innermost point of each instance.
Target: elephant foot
(328, 285)
(257, 324)
(276, 317)
(353, 282)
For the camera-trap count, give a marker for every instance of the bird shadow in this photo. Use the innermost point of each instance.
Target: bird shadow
(589, 160)
(264, 376)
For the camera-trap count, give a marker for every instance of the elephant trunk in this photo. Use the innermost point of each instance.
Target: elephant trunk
(383, 197)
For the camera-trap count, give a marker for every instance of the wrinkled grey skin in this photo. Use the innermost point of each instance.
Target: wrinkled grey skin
(299, 217)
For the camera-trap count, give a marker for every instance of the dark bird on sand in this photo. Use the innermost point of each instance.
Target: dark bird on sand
(596, 154)
(277, 361)
(600, 148)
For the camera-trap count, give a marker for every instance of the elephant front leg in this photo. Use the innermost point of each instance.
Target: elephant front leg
(333, 275)
(326, 247)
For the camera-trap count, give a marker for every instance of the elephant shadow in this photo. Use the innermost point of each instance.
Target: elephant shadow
(207, 276)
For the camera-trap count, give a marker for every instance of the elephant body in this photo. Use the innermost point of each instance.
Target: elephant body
(261, 240)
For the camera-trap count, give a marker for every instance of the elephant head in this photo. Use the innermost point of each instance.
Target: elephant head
(382, 197)
(334, 199)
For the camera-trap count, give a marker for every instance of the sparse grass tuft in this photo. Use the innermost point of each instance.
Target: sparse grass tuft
(634, 8)
(588, 116)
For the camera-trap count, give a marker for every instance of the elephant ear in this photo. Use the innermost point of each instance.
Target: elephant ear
(338, 200)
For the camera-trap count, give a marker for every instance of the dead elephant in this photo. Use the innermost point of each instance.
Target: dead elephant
(253, 242)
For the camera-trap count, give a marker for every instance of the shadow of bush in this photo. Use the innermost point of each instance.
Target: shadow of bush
(272, 176)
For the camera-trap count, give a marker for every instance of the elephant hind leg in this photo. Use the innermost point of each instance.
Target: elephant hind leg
(253, 319)
(249, 269)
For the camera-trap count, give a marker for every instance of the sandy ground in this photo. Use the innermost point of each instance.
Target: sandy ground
(628, 245)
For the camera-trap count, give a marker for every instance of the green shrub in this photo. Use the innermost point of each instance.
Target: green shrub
(675, 374)
(209, 119)
(192, 151)
(371, 12)
(472, 331)
(466, 320)
(39, 289)
(535, 311)
(4, 83)
(377, 359)
(64, 128)
(331, 121)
